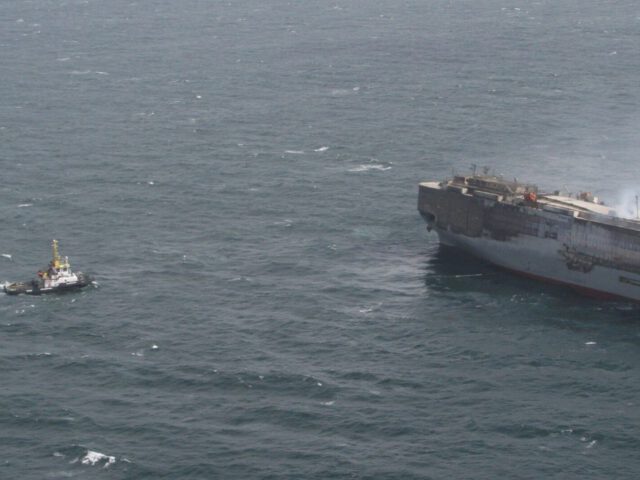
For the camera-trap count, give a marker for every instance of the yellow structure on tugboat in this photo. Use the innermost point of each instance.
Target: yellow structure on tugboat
(57, 262)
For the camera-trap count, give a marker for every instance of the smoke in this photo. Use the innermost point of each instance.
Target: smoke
(628, 202)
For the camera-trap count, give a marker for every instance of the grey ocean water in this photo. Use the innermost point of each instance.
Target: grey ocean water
(241, 179)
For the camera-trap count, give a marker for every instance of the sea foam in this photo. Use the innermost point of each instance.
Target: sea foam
(365, 168)
(92, 458)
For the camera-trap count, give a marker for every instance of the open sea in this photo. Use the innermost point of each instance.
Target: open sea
(240, 177)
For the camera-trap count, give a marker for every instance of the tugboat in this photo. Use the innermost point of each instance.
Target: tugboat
(57, 277)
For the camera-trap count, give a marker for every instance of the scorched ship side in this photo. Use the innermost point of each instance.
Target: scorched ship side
(574, 241)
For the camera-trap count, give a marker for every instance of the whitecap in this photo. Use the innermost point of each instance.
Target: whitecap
(370, 309)
(80, 72)
(590, 343)
(329, 403)
(284, 223)
(23, 205)
(295, 152)
(63, 59)
(365, 168)
(154, 347)
(321, 149)
(91, 458)
(7, 255)
(240, 279)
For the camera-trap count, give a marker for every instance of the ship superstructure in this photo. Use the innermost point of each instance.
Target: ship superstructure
(575, 241)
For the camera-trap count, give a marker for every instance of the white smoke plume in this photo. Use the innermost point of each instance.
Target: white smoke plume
(627, 204)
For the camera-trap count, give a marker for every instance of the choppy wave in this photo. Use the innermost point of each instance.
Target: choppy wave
(92, 458)
(79, 455)
(270, 303)
(370, 166)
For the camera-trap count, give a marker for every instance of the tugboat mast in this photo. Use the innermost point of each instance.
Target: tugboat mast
(56, 255)
(57, 261)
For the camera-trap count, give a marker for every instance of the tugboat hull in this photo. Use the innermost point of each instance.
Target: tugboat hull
(35, 287)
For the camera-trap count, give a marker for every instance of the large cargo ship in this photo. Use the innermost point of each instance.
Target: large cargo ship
(577, 241)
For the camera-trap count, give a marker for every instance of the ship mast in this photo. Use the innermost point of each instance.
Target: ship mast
(56, 255)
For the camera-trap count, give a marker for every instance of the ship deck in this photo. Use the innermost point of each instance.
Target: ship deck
(581, 209)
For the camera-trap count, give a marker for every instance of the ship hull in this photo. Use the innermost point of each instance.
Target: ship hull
(36, 288)
(540, 261)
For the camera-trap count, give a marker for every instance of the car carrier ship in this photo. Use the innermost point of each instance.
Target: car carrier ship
(576, 241)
